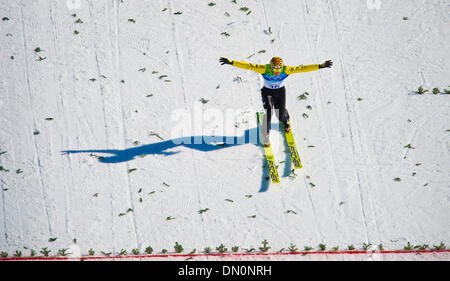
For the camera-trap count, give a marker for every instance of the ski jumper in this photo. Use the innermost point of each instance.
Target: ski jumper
(274, 93)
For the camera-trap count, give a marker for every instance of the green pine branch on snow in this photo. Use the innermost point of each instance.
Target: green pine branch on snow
(62, 252)
(435, 91)
(322, 247)
(303, 96)
(3, 169)
(156, 135)
(149, 250)
(178, 248)
(408, 247)
(366, 246)
(409, 146)
(421, 247)
(204, 101)
(439, 247)
(249, 250)
(292, 248)
(221, 249)
(292, 174)
(45, 251)
(264, 248)
(421, 90)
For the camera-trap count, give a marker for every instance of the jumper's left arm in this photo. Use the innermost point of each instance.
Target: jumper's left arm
(307, 68)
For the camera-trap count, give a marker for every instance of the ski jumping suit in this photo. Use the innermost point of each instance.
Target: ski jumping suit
(274, 93)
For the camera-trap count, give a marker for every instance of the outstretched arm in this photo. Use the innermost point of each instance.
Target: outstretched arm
(260, 68)
(326, 64)
(308, 68)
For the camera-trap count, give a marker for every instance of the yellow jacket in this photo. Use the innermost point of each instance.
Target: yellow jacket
(271, 80)
(261, 68)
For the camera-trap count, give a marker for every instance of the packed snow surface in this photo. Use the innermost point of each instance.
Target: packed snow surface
(99, 98)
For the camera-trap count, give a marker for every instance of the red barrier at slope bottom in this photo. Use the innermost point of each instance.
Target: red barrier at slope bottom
(136, 257)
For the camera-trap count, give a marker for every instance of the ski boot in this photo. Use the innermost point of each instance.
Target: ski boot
(287, 126)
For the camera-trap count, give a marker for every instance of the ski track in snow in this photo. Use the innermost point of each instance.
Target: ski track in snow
(109, 8)
(60, 106)
(348, 101)
(4, 226)
(355, 135)
(336, 187)
(179, 59)
(117, 73)
(177, 52)
(30, 104)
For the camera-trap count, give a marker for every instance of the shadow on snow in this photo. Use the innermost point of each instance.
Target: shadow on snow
(200, 143)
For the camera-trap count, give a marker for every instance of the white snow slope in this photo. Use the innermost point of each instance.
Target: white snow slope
(114, 76)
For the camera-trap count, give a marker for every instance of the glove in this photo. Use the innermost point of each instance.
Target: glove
(326, 64)
(225, 61)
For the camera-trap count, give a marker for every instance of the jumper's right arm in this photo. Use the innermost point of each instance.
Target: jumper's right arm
(260, 68)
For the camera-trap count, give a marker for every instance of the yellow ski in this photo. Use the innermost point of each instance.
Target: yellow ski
(271, 163)
(293, 149)
(269, 155)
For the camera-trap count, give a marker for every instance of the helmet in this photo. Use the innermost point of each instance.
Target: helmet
(276, 63)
